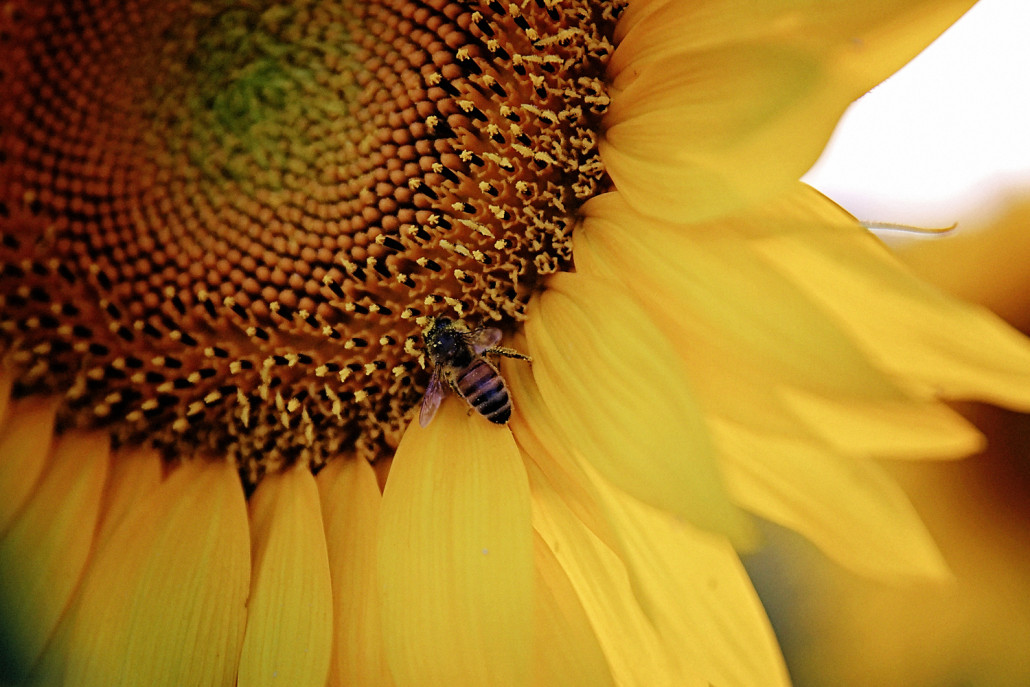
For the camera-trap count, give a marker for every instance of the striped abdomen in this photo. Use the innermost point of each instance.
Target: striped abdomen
(483, 387)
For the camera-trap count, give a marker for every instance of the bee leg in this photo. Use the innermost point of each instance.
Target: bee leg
(507, 353)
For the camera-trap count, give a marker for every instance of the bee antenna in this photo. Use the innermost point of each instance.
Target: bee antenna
(894, 226)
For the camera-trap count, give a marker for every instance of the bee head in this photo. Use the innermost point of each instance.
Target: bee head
(443, 340)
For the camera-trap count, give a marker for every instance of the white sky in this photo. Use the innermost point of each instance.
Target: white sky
(948, 134)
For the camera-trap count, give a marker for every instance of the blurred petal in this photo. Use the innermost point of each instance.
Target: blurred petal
(289, 613)
(848, 507)
(759, 349)
(44, 552)
(696, 592)
(722, 104)
(350, 508)
(163, 601)
(986, 262)
(24, 446)
(615, 387)
(567, 652)
(455, 555)
(939, 344)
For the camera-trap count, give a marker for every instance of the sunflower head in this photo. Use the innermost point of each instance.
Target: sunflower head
(224, 225)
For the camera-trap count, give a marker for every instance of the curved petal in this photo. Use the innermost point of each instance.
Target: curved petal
(759, 349)
(455, 555)
(721, 104)
(986, 262)
(25, 441)
(567, 651)
(289, 613)
(637, 423)
(541, 442)
(939, 344)
(692, 138)
(350, 508)
(163, 601)
(697, 594)
(43, 554)
(637, 654)
(847, 507)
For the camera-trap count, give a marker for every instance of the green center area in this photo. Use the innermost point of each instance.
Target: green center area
(261, 96)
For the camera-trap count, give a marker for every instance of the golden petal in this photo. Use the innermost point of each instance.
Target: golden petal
(721, 104)
(455, 555)
(759, 349)
(938, 344)
(848, 507)
(695, 590)
(136, 472)
(567, 651)
(289, 613)
(692, 138)
(350, 508)
(617, 390)
(163, 601)
(24, 446)
(541, 442)
(44, 552)
(637, 654)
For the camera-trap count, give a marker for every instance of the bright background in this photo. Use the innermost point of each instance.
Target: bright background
(945, 140)
(945, 137)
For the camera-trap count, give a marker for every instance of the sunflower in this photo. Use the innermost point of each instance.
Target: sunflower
(225, 227)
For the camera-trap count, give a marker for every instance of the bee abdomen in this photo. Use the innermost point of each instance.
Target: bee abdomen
(483, 388)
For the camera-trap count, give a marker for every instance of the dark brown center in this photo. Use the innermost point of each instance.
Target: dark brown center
(223, 224)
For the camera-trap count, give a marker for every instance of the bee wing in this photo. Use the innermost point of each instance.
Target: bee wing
(431, 401)
(483, 339)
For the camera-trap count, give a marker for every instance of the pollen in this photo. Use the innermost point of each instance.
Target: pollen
(222, 224)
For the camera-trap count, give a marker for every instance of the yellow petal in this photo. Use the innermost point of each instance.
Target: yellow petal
(163, 601)
(759, 349)
(697, 594)
(44, 552)
(455, 555)
(885, 429)
(289, 613)
(567, 652)
(721, 104)
(543, 443)
(616, 388)
(637, 655)
(350, 508)
(986, 261)
(6, 384)
(136, 472)
(847, 507)
(908, 327)
(693, 138)
(24, 446)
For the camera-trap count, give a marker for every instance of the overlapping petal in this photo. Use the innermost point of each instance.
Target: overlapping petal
(934, 342)
(847, 506)
(757, 347)
(602, 366)
(455, 556)
(163, 601)
(350, 508)
(782, 381)
(716, 106)
(289, 612)
(43, 553)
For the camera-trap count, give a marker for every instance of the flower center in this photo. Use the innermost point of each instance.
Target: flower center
(224, 225)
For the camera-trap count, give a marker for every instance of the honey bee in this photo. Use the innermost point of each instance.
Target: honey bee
(457, 354)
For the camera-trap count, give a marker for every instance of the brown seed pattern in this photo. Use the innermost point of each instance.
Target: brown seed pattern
(223, 224)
